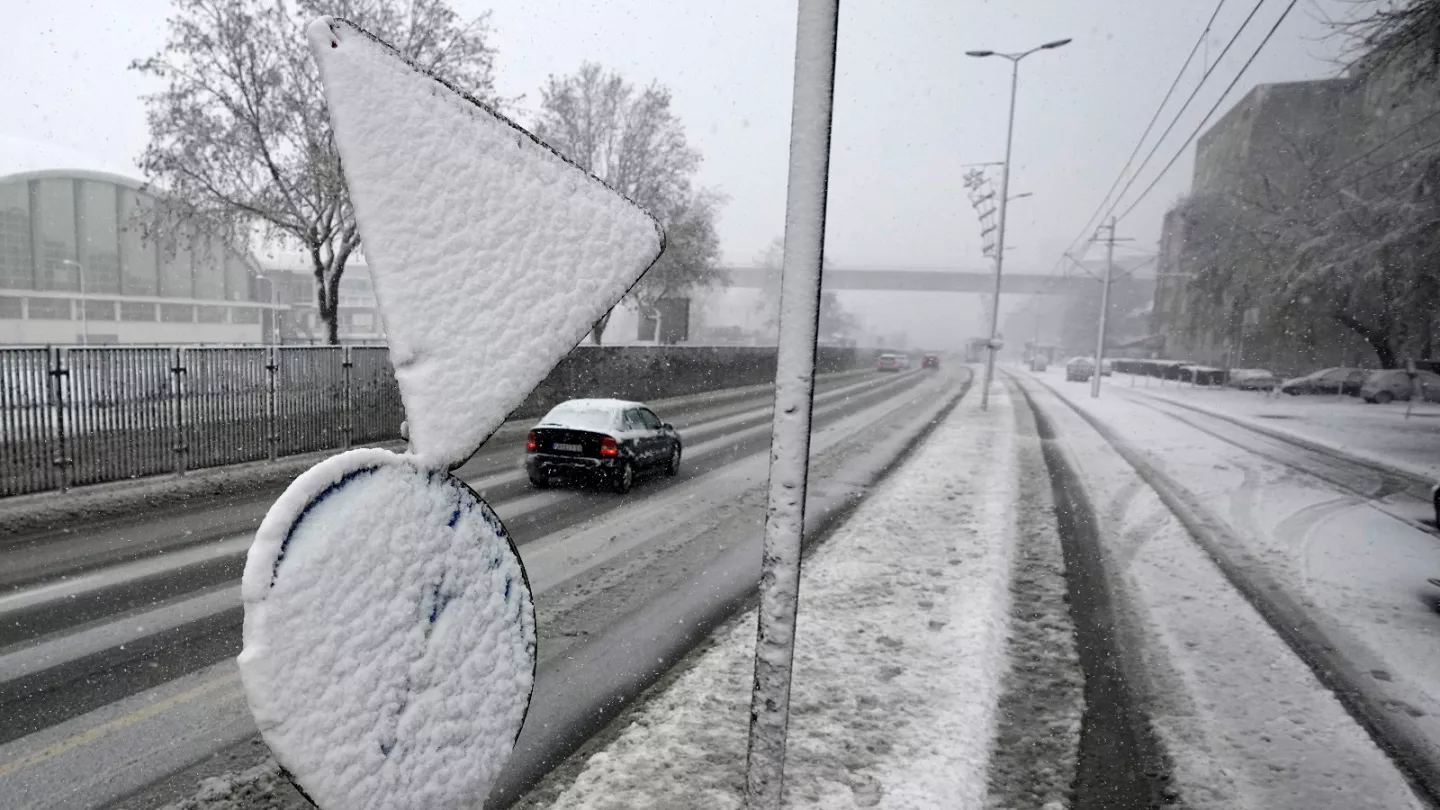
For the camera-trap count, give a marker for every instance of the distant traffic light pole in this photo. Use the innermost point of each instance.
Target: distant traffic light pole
(1004, 200)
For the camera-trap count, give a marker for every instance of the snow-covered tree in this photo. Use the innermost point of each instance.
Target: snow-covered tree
(240, 139)
(1357, 251)
(630, 138)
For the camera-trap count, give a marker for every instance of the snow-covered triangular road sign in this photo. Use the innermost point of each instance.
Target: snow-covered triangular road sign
(492, 255)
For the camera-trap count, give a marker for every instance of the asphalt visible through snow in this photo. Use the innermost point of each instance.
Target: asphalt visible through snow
(117, 687)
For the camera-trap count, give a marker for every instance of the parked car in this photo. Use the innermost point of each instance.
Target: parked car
(889, 362)
(1038, 363)
(930, 360)
(1327, 381)
(1079, 369)
(904, 360)
(1393, 384)
(1107, 367)
(607, 441)
(1201, 375)
(1252, 379)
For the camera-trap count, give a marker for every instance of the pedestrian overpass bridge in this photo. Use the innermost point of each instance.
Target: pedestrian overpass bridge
(941, 280)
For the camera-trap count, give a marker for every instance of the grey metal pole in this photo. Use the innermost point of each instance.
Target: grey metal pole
(1000, 238)
(811, 109)
(1104, 311)
(84, 307)
(84, 316)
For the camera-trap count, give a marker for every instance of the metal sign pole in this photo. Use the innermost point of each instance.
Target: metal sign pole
(794, 398)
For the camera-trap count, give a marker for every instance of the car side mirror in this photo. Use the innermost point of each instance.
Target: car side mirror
(668, 426)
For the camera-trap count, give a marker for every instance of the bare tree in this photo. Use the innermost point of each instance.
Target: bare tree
(1388, 34)
(631, 139)
(836, 322)
(240, 140)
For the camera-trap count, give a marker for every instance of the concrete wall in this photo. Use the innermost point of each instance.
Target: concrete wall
(657, 372)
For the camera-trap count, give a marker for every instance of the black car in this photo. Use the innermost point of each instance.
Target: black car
(609, 441)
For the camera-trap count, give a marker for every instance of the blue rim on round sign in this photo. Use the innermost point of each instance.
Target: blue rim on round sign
(389, 635)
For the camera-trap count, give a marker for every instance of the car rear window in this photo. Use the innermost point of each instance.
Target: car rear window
(583, 417)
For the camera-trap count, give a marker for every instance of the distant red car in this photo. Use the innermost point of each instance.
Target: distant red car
(930, 361)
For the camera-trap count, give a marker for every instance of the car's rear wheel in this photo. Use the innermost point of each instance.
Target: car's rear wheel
(624, 478)
(540, 481)
(1384, 397)
(673, 467)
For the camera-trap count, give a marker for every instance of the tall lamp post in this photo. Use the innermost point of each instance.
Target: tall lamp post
(1004, 199)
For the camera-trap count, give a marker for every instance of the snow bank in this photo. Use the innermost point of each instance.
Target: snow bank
(899, 654)
(389, 635)
(492, 256)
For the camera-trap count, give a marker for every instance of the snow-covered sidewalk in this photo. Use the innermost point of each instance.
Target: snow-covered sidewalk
(899, 656)
(1381, 434)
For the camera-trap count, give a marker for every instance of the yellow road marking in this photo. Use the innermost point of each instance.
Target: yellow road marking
(124, 721)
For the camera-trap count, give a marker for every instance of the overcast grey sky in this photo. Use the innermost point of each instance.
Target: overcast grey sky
(911, 108)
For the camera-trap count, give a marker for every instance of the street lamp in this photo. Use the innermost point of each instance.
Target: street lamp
(84, 316)
(1004, 199)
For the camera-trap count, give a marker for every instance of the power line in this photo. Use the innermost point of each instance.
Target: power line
(1206, 119)
(1156, 117)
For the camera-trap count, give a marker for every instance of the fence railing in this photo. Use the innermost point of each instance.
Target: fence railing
(86, 415)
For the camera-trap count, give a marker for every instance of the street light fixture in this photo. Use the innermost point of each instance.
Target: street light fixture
(1004, 199)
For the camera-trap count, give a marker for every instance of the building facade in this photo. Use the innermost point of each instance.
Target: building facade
(77, 267)
(1276, 141)
(292, 279)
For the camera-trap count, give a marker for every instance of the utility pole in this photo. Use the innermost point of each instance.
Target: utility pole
(1110, 241)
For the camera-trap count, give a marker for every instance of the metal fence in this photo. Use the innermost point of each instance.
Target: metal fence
(86, 415)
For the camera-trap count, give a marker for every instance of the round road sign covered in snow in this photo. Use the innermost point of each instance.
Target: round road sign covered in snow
(389, 635)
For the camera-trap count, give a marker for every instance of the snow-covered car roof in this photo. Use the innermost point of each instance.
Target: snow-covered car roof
(597, 404)
(607, 407)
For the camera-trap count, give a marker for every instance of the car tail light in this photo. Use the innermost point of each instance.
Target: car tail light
(530, 442)
(608, 447)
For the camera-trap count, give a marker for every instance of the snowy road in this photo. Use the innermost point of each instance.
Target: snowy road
(1299, 669)
(116, 684)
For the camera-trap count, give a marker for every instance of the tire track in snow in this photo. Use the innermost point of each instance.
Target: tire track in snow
(1121, 764)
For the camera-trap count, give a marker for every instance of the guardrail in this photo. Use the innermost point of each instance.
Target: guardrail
(71, 416)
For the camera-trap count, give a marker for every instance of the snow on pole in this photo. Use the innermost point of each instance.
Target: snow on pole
(389, 642)
(794, 397)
